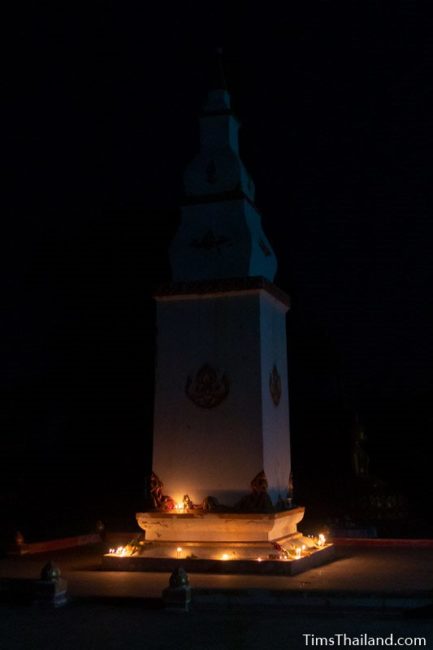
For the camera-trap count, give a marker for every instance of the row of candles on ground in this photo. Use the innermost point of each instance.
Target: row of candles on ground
(298, 550)
(120, 551)
(295, 552)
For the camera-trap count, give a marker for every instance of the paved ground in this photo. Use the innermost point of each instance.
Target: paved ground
(405, 571)
(123, 610)
(97, 626)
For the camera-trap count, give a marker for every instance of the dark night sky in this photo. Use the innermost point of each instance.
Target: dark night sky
(101, 118)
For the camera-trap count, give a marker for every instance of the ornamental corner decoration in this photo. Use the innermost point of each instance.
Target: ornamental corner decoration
(275, 385)
(161, 501)
(258, 500)
(208, 388)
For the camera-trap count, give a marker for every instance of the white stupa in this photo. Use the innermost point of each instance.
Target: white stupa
(221, 452)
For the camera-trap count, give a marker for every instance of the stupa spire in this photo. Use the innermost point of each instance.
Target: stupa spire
(220, 235)
(218, 98)
(218, 79)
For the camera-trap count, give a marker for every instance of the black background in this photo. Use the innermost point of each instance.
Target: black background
(101, 118)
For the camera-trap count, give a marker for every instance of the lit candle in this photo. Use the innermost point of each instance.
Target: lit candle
(225, 556)
(321, 540)
(178, 552)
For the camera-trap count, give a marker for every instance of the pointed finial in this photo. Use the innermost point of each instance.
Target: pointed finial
(218, 80)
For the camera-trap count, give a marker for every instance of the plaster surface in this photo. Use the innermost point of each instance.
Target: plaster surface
(217, 451)
(222, 527)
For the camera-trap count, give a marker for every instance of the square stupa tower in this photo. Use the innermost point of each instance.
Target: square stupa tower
(221, 449)
(221, 398)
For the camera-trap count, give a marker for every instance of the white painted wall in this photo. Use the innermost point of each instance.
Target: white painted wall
(276, 427)
(218, 451)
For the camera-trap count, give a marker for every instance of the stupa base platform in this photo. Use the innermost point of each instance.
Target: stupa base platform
(199, 526)
(221, 543)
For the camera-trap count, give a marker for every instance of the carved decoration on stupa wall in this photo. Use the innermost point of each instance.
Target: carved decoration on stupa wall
(208, 388)
(209, 241)
(265, 249)
(275, 385)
